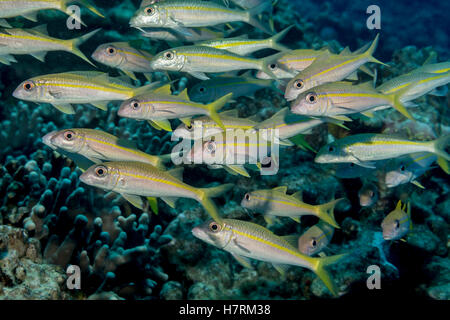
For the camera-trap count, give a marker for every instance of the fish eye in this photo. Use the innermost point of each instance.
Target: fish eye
(396, 224)
(211, 147)
(189, 127)
(101, 171)
(214, 227)
(169, 55)
(331, 149)
(202, 89)
(135, 104)
(311, 97)
(28, 86)
(272, 66)
(314, 242)
(402, 168)
(149, 11)
(111, 51)
(69, 135)
(298, 84)
(247, 196)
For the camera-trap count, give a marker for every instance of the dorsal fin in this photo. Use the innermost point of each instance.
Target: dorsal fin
(282, 189)
(399, 205)
(292, 239)
(298, 195)
(366, 85)
(184, 95)
(345, 51)
(41, 29)
(432, 58)
(229, 113)
(164, 90)
(176, 173)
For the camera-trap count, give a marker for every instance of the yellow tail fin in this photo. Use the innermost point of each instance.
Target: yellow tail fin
(369, 53)
(205, 195)
(216, 106)
(324, 275)
(326, 212)
(75, 43)
(396, 103)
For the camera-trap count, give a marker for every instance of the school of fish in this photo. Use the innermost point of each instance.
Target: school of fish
(321, 86)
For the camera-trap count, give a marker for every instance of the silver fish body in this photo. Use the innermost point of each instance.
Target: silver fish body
(408, 169)
(366, 147)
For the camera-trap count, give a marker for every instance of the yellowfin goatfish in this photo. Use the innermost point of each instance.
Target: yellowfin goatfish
(210, 90)
(29, 8)
(98, 146)
(366, 147)
(340, 98)
(441, 67)
(198, 60)
(125, 57)
(408, 169)
(329, 68)
(397, 223)
(209, 127)
(315, 239)
(37, 42)
(415, 85)
(136, 179)
(244, 46)
(179, 14)
(275, 202)
(158, 106)
(368, 195)
(63, 89)
(245, 240)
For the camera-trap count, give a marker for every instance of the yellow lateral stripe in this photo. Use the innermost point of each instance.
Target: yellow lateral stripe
(334, 67)
(187, 103)
(136, 152)
(238, 43)
(5, 35)
(91, 87)
(197, 8)
(217, 56)
(175, 184)
(299, 205)
(269, 243)
(135, 54)
(356, 95)
(378, 143)
(408, 83)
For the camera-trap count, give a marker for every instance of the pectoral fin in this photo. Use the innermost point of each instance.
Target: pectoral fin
(417, 183)
(281, 268)
(66, 108)
(32, 16)
(236, 242)
(244, 261)
(199, 75)
(134, 200)
(102, 105)
(4, 24)
(39, 55)
(239, 169)
(170, 201)
(163, 124)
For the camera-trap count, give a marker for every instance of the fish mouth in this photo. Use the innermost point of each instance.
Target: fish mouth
(47, 139)
(198, 233)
